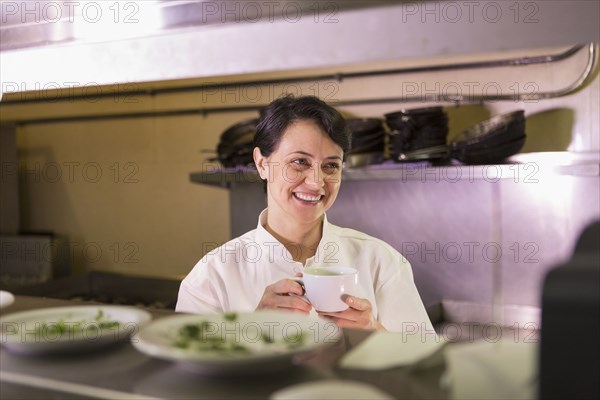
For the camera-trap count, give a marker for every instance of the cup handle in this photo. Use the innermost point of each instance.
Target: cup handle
(301, 282)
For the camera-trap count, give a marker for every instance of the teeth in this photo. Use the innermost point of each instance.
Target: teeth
(307, 197)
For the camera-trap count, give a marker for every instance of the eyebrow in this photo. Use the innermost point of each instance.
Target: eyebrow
(304, 153)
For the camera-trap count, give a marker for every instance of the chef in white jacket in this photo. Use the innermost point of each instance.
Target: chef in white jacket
(300, 144)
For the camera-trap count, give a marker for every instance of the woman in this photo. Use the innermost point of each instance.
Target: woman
(300, 145)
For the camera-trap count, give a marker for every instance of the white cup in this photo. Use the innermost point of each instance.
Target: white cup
(325, 286)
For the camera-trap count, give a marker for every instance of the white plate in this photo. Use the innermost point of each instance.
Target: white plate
(6, 298)
(158, 339)
(32, 331)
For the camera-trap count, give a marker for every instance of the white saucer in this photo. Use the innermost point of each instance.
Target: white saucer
(6, 298)
(331, 389)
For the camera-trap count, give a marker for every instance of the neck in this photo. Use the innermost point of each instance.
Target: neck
(301, 240)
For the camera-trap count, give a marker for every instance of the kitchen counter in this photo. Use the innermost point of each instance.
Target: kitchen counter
(123, 372)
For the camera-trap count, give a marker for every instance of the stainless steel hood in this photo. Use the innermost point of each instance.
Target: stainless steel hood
(48, 22)
(54, 44)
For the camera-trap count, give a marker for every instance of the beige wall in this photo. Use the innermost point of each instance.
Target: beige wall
(123, 197)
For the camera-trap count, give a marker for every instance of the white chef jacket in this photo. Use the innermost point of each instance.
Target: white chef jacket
(233, 276)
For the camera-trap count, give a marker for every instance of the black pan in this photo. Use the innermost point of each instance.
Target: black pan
(368, 148)
(416, 120)
(361, 159)
(491, 155)
(416, 129)
(376, 137)
(492, 132)
(403, 141)
(414, 112)
(234, 133)
(364, 126)
(235, 144)
(429, 153)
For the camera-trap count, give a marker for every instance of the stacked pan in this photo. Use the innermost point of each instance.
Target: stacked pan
(416, 129)
(415, 135)
(490, 141)
(236, 144)
(368, 141)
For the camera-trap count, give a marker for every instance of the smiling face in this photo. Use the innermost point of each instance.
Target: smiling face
(303, 174)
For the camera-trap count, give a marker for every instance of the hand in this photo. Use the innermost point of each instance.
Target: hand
(277, 297)
(359, 315)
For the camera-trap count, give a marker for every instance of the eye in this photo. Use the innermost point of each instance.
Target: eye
(301, 163)
(331, 168)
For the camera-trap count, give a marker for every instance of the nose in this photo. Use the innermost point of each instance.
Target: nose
(314, 177)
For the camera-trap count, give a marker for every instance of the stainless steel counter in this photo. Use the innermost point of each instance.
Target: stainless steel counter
(124, 373)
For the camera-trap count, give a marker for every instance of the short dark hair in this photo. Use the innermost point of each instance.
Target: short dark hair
(284, 111)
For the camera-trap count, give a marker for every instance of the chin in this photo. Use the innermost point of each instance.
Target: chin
(310, 213)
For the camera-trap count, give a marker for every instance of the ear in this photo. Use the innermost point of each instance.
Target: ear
(260, 162)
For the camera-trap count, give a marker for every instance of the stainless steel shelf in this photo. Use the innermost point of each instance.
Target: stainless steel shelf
(519, 167)
(225, 177)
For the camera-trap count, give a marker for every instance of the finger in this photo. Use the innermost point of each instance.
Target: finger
(300, 303)
(295, 310)
(284, 302)
(292, 302)
(358, 323)
(286, 286)
(339, 321)
(357, 303)
(349, 315)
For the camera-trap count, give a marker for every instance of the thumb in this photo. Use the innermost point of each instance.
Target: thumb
(357, 303)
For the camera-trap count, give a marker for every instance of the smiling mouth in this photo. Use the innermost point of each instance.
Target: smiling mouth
(308, 198)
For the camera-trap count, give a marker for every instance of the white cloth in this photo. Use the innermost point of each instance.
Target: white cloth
(383, 350)
(233, 276)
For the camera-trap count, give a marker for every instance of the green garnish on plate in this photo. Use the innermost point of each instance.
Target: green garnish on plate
(232, 337)
(66, 326)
